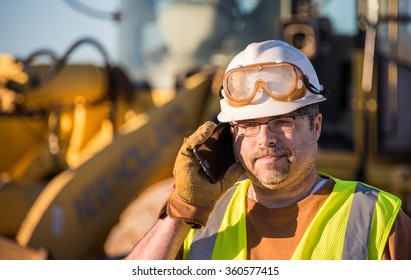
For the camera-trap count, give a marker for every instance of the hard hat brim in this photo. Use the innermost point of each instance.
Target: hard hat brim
(269, 109)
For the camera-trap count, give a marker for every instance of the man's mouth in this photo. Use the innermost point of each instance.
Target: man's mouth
(271, 156)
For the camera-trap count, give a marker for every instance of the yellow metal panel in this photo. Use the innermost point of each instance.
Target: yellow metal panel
(75, 212)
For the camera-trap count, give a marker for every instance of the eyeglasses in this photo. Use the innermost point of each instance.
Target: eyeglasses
(276, 125)
(282, 81)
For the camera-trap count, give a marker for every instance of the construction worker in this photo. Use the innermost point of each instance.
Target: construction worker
(285, 208)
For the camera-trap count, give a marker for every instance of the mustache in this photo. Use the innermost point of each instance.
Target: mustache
(271, 151)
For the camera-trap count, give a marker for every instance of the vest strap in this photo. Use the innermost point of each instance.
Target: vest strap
(204, 238)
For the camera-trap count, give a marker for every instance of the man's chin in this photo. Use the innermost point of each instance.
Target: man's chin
(271, 181)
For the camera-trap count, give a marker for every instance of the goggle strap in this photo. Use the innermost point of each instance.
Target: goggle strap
(220, 92)
(311, 88)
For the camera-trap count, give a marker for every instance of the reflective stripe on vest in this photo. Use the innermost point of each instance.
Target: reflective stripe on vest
(359, 223)
(354, 223)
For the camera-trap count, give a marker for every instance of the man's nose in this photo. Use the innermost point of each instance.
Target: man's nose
(266, 137)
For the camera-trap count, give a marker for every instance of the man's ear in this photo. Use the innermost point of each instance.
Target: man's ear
(318, 120)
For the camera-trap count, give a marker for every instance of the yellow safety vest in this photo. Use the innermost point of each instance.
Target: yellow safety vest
(354, 223)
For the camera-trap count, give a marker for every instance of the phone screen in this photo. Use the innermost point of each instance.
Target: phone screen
(216, 153)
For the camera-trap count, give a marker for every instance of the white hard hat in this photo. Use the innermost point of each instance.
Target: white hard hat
(262, 105)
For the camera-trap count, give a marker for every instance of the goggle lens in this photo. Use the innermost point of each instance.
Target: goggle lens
(282, 81)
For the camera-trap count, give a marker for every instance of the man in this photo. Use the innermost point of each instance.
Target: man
(285, 209)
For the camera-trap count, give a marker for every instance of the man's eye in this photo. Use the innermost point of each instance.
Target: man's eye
(247, 125)
(282, 121)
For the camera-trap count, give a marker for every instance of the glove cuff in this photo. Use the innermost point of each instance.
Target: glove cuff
(193, 215)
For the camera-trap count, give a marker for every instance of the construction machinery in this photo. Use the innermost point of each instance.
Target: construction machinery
(87, 151)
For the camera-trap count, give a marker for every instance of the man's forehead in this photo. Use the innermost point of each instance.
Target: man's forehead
(264, 119)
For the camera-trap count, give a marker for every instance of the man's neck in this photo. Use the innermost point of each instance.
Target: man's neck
(286, 195)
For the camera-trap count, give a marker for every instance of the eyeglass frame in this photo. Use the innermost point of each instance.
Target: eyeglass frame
(293, 117)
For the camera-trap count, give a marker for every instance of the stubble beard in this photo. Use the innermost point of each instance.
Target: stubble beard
(273, 174)
(270, 175)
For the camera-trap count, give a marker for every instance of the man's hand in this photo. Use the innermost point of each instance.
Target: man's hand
(192, 185)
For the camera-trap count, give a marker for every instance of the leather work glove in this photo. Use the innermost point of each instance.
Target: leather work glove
(194, 195)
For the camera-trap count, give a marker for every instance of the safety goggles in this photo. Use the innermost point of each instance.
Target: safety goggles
(282, 81)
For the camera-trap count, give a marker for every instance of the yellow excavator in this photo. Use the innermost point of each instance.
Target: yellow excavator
(87, 151)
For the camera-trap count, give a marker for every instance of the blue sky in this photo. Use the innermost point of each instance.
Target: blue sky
(29, 25)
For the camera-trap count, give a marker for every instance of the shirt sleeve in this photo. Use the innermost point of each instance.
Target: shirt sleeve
(399, 242)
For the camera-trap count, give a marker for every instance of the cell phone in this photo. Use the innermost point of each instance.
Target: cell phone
(216, 154)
